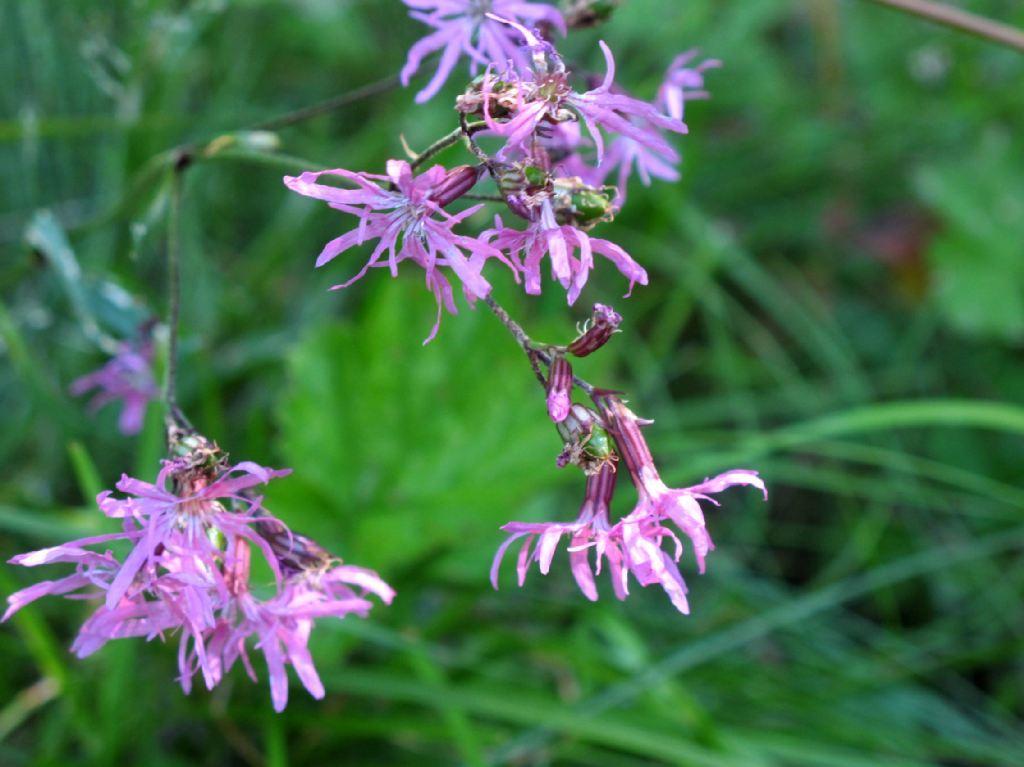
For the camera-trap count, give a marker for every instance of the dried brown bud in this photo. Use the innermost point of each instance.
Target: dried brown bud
(601, 326)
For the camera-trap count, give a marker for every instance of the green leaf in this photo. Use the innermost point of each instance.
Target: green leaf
(401, 450)
(978, 259)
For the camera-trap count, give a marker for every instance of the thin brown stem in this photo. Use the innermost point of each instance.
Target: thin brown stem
(534, 352)
(349, 97)
(510, 324)
(973, 24)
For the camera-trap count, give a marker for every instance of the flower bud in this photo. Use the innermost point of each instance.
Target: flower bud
(581, 205)
(294, 552)
(457, 183)
(624, 425)
(601, 326)
(559, 389)
(580, 14)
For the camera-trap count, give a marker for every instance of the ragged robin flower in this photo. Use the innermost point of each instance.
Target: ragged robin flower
(465, 27)
(127, 376)
(643, 530)
(516, 103)
(404, 213)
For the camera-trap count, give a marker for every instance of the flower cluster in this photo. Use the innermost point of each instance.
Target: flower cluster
(599, 442)
(546, 171)
(181, 564)
(190, 535)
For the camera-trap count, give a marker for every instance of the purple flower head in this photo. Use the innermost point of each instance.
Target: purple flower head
(169, 603)
(683, 82)
(527, 97)
(192, 534)
(655, 158)
(642, 531)
(187, 523)
(407, 220)
(590, 530)
(280, 625)
(127, 376)
(92, 576)
(466, 27)
(571, 251)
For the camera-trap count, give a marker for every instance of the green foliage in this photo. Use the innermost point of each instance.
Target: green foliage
(978, 260)
(383, 423)
(836, 300)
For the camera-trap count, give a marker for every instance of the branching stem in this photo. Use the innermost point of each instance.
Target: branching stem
(979, 26)
(536, 353)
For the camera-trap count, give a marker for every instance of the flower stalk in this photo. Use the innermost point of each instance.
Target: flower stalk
(176, 422)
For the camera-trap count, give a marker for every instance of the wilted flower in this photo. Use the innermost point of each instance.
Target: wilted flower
(407, 220)
(127, 376)
(603, 324)
(465, 27)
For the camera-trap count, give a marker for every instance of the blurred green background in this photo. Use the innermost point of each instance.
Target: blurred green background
(836, 299)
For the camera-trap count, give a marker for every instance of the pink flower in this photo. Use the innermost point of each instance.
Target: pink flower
(408, 223)
(178, 528)
(281, 625)
(127, 376)
(642, 531)
(626, 154)
(464, 27)
(684, 82)
(545, 237)
(189, 573)
(656, 158)
(542, 93)
(591, 530)
(169, 601)
(92, 571)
